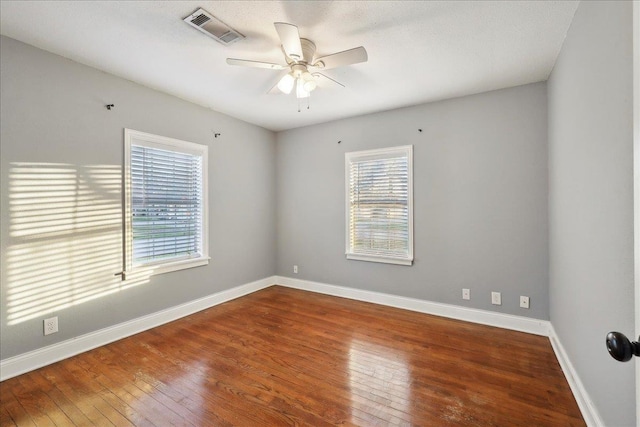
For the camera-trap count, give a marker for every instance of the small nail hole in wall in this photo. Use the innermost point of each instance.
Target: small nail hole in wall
(419, 130)
(339, 142)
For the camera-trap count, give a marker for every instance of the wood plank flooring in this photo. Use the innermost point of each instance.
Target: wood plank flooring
(281, 357)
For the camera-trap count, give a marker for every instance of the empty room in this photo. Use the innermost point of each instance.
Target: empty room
(315, 213)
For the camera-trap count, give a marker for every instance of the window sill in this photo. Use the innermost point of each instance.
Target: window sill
(385, 260)
(166, 267)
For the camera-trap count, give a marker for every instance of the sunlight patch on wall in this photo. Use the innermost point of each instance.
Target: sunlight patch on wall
(378, 377)
(65, 237)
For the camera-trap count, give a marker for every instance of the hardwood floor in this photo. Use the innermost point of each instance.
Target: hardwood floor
(283, 357)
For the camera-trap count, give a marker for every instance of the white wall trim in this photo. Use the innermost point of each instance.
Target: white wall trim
(484, 317)
(589, 411)
(35, 359)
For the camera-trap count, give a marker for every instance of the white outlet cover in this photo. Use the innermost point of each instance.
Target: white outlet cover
(524, 302)
(466, 294)
(51, 325)
(496, 298)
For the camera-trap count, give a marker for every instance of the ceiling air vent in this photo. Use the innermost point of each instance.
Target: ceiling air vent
(213, 27)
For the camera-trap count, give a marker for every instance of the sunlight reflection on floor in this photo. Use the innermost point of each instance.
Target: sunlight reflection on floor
(380, 383)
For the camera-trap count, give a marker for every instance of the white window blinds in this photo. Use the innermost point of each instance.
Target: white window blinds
(166, 203)
(379, 205)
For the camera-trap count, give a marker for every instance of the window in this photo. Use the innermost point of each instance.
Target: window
(379, 198)
(165, 203)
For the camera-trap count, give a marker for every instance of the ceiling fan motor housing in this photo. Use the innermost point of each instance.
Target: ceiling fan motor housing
(308, 50)
(298, 69)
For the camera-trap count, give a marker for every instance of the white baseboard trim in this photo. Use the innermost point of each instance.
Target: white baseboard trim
(484, 317)
(589, 411)
(29, 361)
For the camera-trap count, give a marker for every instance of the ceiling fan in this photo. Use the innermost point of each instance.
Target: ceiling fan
(303, 68)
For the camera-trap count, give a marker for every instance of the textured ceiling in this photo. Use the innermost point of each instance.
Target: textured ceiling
(418, 51)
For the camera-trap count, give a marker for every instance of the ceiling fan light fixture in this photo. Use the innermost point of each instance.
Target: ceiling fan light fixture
(309, 86)
(286, 83)
(300, 90)
(309, 82)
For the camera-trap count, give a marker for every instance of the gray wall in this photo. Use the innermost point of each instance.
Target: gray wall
(480, 197)
(61, 148)
(591, 201)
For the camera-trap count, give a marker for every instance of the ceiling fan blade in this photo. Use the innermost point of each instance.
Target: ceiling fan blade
(290, 38)
(255, 64)
(326, 81)
(347, 57)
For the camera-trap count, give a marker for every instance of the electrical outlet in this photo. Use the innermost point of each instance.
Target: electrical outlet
(295, 269)
(524, 301)
(466, 294)
(51, 325)
(496, 298)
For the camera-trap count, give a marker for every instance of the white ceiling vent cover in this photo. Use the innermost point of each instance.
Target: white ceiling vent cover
(213, 27)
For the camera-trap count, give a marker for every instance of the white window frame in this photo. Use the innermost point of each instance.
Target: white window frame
(382, 153)
(137, 138)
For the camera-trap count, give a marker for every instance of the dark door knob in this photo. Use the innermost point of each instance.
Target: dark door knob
(620, 348)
